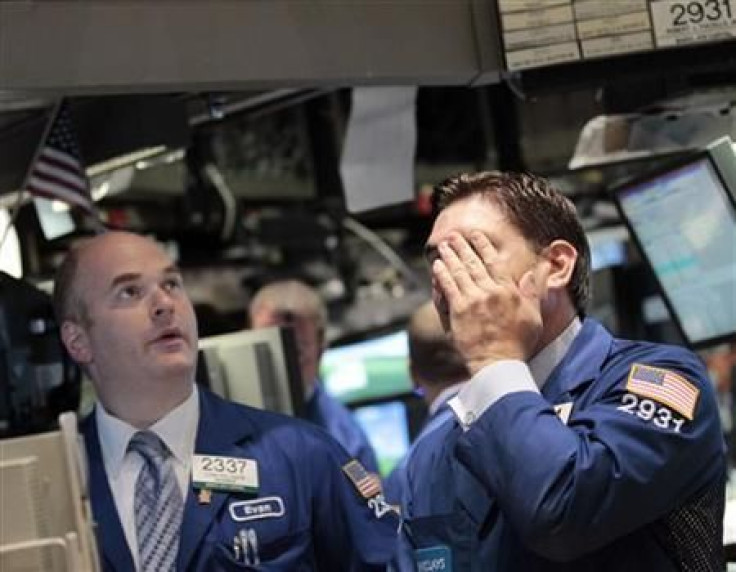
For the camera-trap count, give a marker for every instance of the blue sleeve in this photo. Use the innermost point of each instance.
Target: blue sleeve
(339, 422)
(395, 484)
(366, 455)
(351, 532)
(403, 560)
(569, 489)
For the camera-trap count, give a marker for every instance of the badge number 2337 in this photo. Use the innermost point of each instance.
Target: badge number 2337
(224, 465)
(648, 410)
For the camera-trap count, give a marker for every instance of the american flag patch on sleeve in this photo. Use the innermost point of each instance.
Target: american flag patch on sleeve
(367, 484)
(664, 386)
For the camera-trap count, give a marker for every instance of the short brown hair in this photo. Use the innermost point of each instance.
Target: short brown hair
(432, 354)
(68, 305)
(539, 211)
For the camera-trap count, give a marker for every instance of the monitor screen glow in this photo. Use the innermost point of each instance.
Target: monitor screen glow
(369, 369)
(387, 428)
(684, 221)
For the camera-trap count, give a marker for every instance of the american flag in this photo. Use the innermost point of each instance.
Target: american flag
(368, 484)
(58, 170)
(664, 386)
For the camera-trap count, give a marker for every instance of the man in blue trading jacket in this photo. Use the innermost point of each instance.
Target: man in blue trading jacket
(571, 450)
(438, 372)
(180, 479)
(293, 303)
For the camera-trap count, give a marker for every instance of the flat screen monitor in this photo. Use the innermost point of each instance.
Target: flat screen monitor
(368, 369)
(387, 427)
(683, 219)
(45, 521)
(257, 367)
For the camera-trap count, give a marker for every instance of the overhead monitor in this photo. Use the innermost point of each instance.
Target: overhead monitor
(386, 425)
(257, 367)
(683, 219)
(371, 368)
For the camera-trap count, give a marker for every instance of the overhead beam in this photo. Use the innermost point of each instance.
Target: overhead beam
(122, 46)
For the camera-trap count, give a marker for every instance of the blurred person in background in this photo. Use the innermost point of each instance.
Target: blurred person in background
(292, 303)
(438, 372)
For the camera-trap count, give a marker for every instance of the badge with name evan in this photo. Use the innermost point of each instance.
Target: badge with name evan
(230, 474)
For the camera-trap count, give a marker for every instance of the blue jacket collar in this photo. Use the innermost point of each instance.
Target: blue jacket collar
(583, 361)
(222, 428)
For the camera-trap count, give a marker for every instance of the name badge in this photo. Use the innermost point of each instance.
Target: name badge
(224, 473)
(266, 507)
(433, 559)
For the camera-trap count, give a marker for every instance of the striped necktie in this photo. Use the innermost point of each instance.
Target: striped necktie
(158, 504)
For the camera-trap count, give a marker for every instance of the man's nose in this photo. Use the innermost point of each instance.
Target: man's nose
(162, 304)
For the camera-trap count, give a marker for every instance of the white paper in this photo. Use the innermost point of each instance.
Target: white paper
(377, 164)
(54, 223)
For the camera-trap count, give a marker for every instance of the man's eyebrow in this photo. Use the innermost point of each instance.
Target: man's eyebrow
(132, 276)
(123, 278)
(172, 269)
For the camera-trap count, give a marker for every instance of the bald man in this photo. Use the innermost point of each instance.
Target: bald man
(180, 479)
(292, 303)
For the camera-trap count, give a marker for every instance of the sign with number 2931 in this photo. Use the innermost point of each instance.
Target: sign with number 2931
(681, 22)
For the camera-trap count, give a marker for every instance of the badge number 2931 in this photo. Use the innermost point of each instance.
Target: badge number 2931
(682, 22)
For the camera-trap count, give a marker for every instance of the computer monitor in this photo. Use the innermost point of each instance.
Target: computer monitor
(683, 219)
(37, 378)
(370, 368)
(386, 425)
(257, 367)
(45, 522)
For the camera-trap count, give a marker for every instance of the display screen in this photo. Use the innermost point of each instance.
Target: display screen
(386, 425)
(684, 221)
(369, 369)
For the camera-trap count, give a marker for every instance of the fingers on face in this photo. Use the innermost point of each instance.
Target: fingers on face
(484, 250)
(453, 254)
(445, 282)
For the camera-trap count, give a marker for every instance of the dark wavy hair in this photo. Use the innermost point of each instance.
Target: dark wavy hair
(539, 211)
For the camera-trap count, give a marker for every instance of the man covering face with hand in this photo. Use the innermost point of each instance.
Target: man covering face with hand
(570, 450)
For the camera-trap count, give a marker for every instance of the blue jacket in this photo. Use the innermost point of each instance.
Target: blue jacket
(626, 485)
(395, 485)
(325, 525)
(338, 421)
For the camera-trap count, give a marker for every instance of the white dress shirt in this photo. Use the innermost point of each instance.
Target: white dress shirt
(178, 429)
(510, 376)
(444, 396)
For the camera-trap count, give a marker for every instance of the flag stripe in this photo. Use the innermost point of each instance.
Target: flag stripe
(48, 173)
(60, 157)
(55, 192)
(52, 163)
(664, 390)
(686, 409)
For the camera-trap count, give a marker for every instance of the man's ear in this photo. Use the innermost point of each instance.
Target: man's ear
(76, 342)
(562, 257)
